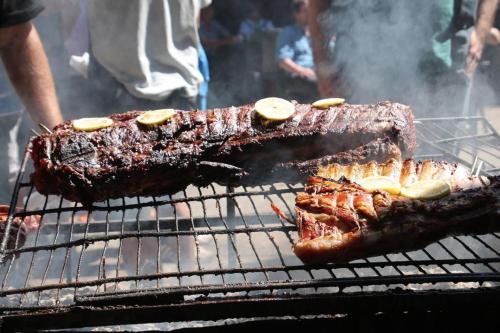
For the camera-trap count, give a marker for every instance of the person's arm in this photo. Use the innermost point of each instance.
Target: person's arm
(215, 44)
(485, 17)
(290, 66)
(26, 63)
(285, 54)
(320, 42)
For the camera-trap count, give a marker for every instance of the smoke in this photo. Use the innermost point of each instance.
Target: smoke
(393, 50)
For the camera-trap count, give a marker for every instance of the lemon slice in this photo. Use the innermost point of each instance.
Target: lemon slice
(274, 108)
(155, 117)
(327, 102)
(92, 124)
(426, 189)
(384, 183)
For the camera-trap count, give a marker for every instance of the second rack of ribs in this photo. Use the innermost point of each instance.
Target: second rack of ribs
(229, 146)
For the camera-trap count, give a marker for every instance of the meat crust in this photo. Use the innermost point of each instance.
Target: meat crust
(229, 146)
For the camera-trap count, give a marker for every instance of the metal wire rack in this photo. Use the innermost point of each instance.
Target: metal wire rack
(216, 252)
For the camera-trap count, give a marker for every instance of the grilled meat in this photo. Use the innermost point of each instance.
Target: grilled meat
(229, 146)
(339, 220)
(406, 172)
(378, 150)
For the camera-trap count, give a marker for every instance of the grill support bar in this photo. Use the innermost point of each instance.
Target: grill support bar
(13, 204)
(214, 309)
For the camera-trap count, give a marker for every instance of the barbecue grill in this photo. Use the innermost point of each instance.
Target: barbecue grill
(214, 253)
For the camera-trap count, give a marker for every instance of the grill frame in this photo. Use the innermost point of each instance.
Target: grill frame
(457, 139)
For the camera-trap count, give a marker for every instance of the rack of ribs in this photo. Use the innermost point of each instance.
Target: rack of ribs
(229, 146)
(340, 220)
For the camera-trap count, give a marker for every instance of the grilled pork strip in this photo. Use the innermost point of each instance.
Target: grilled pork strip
(339, 220)
(229, 146)
(406, 172)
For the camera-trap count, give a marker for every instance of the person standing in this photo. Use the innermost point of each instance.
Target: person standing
(295, 58)
(144, 54)
(27, 67)
(254, 22)
(214, 35)
(401, 50)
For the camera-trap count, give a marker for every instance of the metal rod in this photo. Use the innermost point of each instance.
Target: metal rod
(366, 280)
(421, 120)
(473, 142)
(467, 96)
(445, 151)
(478, 169)
(232, 241)
(231, 210)
(12, 207)
(151, 203)
(474, 164)
(214, 238)
(45, 128)
(461, 138)
(348, 281)
(145, 309)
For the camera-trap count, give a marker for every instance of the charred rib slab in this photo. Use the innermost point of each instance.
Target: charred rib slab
(228, 145)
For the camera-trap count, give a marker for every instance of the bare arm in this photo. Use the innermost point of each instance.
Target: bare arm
(486, 15)
(290, 66)
(324, 73)
(26, 63)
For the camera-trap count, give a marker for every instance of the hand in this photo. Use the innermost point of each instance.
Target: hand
(475, 52)
(493, 37)
(308, 74)
(237, 39)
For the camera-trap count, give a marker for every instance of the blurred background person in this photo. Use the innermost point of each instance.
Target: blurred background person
(384, 50)
(223, 52)
(486, 85)
(472, 19)
(254, 22)
(144, 54)
(56, 26)
(213, 34)
(295, 58)
(26, 65)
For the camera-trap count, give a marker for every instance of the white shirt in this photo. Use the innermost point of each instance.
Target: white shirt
(150, 46)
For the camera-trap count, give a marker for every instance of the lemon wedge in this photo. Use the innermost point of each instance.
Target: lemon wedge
(91, 124)
(426, 189)
(155, 117)
(274, 108)
(327, 102)
(384, 183)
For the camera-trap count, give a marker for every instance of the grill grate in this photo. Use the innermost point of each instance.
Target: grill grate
(223, 244)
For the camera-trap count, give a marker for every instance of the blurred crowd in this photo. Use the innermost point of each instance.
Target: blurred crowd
(110, 56)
